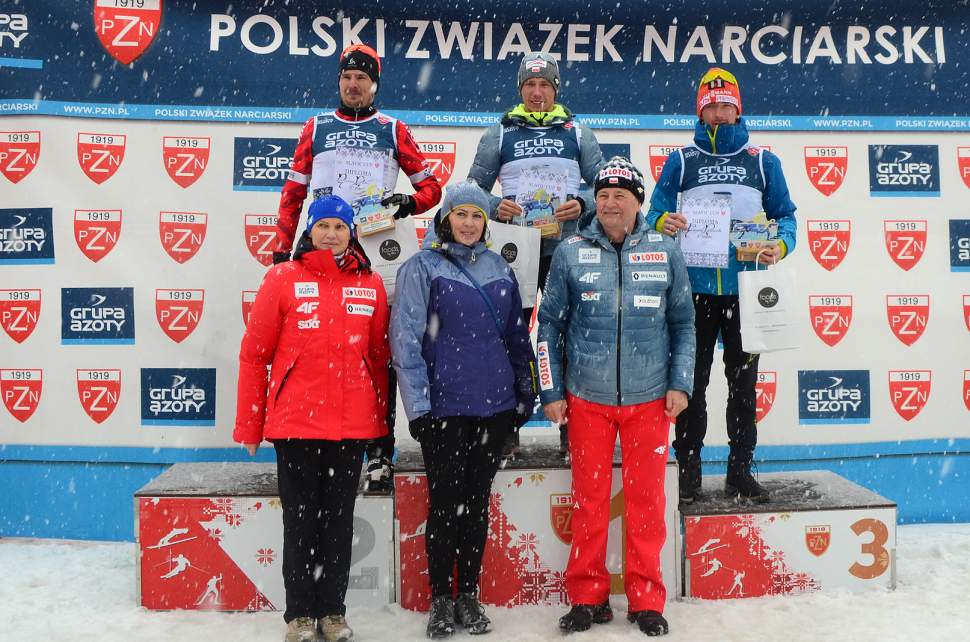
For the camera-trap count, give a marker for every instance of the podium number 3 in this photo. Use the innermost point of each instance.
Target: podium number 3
(876, 548)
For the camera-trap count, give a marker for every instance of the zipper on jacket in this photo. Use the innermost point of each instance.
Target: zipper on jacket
(619, 321)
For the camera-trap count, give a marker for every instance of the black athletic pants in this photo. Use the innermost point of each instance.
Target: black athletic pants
(384, 446)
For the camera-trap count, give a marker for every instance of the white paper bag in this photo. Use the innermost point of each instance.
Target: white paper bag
(519, 246)
(389, 249)
(769, 310)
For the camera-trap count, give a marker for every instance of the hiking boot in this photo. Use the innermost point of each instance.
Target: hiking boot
(334, 629)
(441, 619)
(582, 616)
(380, 476)
(689, 477)
(470, 614)
(301, 629)
(739, 482)
(651, 623)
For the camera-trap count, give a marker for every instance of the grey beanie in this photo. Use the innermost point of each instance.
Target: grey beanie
(537, 64)
(465, 193)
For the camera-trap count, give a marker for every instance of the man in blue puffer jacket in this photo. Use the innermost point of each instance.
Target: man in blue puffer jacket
(722, 160)
(617, 310)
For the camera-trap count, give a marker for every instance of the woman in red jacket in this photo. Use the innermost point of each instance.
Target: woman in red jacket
(320, 323)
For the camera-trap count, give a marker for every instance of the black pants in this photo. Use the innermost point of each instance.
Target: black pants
(461, 456)
(318, 487)
(384, 446)
(715, 314)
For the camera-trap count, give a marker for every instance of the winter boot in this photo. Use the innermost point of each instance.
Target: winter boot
(689, 476)
(334, 628)
(740, 483)
(651, 623)
(441, 619)
(301, 629)
(470, 614)
(380, 476)
(582, 616)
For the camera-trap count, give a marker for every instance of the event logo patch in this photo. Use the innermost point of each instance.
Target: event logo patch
(100, 155)
(19, 153)
(765, 389)
(441, 159)
(817, 539)
(178, 396)
(833, 397)
(96, 232)
(829, 242)
(19, 312)
(260, 231)
(98, 391)
(909, 390)
(178, 312)
(248, 296)
(126, 27)
(905, 242)
(826, 167)
(959, 245)
(97, 316)
(658, 158)
(908, 315)
(904, 170)
(963, 164)
(831, 316)
(561, 516)
(261, 164)
(26, 235)
(185, 158)
(182, 233)
(21, 390)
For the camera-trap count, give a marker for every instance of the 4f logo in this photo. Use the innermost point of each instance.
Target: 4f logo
(260, 233)
(126, 27)
(19, 311)
(182, 233)
(826, 167)
(829, 241)
(19, 152)
(658, 158)
(765, 389)
(905, 242)
(100, 155)
(98, 391)
(185, 158)
(20, 390)
(908, 316)
(178, 312)
(248, 296)
(909, 390)
(831, 317)
(963, 164)
(97, 232)
(441, 159)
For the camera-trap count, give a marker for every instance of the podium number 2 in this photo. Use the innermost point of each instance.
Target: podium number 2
(876, 548)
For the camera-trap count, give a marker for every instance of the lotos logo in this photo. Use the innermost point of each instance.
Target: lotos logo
(441, 159)
(648, 257)
(831, 316)
(100, 155)
(905, 242)
(98, 392)
(21, 390)
(658, 158)
(182, 233)
(963, 164)
(96, 232)
(817, 539)
(248, 296)
(19, 152)
(561, 516)
(178, 396)
(826, 167)
(833, 396)
(13, 27)
(765, 389)
(260, 233)
(545, 367)
(261, 164)
(959, 245)
(829, 242)
(909, 390)
(904, 170)
(178, 312)
(26, 236)
(185, 158)
(19, 312)
(966, 388)
(908, 315)
(768, 297)
(126, 27)
(97, 315)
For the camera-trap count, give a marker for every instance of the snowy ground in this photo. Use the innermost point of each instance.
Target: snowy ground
(84, 591)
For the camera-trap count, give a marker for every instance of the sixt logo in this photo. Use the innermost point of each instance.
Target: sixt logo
(261, 164)
(960, 245)
(13, 28)
(833, 396)
(178, 396)
(97, 315)
(26, 235)
(911, 170)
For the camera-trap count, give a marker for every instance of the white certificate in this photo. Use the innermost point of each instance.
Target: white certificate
(541, 190)
(358, 177)
(705, 241)
(389, 249)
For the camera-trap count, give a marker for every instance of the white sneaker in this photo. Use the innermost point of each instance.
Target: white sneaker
(335, 629)
(302, 629)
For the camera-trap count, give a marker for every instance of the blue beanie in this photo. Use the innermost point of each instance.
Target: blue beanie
(465, 193)
(330, 206)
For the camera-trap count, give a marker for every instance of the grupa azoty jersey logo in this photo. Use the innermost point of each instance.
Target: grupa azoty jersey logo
(178, 396)
(97, 316)
(26, 235)
(833, 397)
(261, 164)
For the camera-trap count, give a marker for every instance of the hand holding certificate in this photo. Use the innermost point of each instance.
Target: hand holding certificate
(705, 241)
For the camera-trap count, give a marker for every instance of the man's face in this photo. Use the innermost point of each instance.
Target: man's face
(616, 209)
(538, 94)
(356, 89)
(719, 114)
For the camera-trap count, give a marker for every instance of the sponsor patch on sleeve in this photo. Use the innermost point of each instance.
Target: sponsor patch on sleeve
(574, 239)
(545, 368)
(358, 308)
(360, 293)
(648, 257)
(654, 238)
(644, 301)
(306, 290)
(589, 255)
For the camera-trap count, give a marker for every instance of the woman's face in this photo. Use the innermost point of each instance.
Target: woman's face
(467, 224)
(330, 234)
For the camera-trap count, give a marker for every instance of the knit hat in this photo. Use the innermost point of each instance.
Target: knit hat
(361, 58)
(539, 65)
(718, 86)
(620, 172)
(463, 193)
(330, 207)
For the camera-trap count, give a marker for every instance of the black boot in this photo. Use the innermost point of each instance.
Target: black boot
(689, 476)
(583, 616)
(470, 614)
(651, 623)
(380, 476)
(441, 619)
(739, 481)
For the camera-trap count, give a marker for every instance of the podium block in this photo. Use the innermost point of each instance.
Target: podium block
(210, 536)
(819, 532)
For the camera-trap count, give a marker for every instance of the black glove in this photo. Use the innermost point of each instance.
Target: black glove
(406, 204)
(280, 257)
(421, 426)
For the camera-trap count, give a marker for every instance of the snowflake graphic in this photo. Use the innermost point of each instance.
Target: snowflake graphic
(265, 556)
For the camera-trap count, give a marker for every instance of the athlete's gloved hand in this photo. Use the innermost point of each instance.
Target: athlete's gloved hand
(280, 257)
(405, 204)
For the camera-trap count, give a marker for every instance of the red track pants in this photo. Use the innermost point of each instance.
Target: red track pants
(644, 429)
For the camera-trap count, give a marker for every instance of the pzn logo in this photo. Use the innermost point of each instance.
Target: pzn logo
(19, 152)
(126, 27)
(100, 155)
(97, 232)
(20, 390)
(19, 311)
(185, 158)
(98, 391)
(260, 233)
(178, 312)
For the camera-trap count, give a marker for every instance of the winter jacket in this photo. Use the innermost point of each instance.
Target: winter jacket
(450, 357)
(323, 330)
(722, 160)
(624, 322)
(518, 142)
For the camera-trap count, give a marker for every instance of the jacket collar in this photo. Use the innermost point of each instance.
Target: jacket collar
(595, 233)
(461, 252)
(721, 139)
(519, 116)
(322, 263)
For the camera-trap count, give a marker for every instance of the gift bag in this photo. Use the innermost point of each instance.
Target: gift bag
(768, 302)
(519, 246)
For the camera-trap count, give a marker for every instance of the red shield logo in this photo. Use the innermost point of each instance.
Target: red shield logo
(826, 167)
(19, 152)
(658, 156)
(248, 296)
(20, 390)
(905, 242)
(260, 233)
(98, 391)
(909, 390)
(831, 316)
(182, 233)
(185, 158)
(765, 389)
(97, 231)
(178, 312)
(100, 155)
(19, 311)
(966, 388)
(441, 159)
(908, 315)
(126, 28)
(963, 164)
(966, 310)
(561, 516)
(829, 241)
(817, 539)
